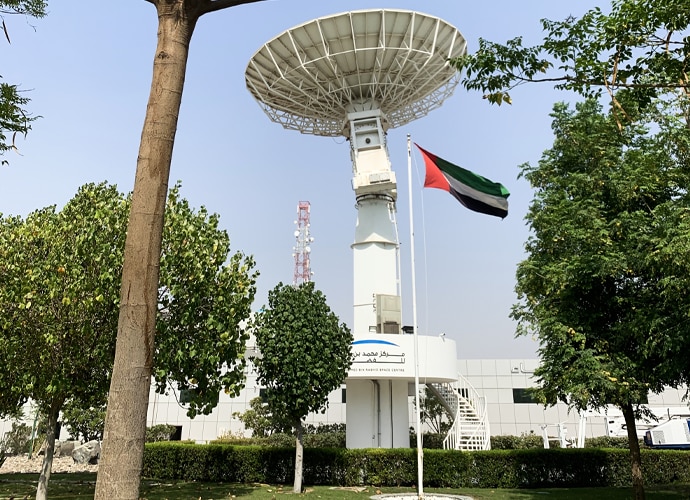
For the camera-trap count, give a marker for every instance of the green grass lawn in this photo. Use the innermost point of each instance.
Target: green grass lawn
(81, 486)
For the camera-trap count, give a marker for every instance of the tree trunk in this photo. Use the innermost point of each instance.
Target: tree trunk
(635, 456)
(47, 465)
(125, 425)
(299, 458)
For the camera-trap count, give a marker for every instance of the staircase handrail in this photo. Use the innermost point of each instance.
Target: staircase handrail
(476, 434)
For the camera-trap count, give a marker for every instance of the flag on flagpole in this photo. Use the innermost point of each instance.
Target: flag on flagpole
(475, 192)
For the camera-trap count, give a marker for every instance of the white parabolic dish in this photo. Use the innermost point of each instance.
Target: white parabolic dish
(309, 77)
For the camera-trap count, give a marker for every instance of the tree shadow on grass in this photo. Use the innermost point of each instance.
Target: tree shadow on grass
(170, 490)
(76, 486)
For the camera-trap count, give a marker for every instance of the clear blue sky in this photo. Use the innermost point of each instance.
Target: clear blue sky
(88, 69)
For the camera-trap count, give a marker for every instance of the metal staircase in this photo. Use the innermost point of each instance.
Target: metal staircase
(470, 427)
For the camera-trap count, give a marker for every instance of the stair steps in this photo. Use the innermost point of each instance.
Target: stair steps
(470, 426)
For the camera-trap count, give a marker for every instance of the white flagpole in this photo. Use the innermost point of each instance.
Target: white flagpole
(420, 453)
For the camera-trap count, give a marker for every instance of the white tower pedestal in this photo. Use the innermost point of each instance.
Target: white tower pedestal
(377, 414)
(377, 408)
(375, 259)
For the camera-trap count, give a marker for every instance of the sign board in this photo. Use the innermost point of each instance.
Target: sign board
(391, 356)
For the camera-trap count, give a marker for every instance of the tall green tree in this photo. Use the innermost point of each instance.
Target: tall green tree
(58, 274)
(125, 424)
(14, 118)
(59, 283)
(603, 287)
(636, 55)
(642, 46)
(304, 354)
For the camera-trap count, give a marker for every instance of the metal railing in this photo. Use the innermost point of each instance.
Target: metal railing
(470, 428)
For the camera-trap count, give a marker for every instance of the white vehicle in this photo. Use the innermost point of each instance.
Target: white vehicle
(674, 434)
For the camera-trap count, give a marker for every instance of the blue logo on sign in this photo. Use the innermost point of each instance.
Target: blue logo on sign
(372, 341)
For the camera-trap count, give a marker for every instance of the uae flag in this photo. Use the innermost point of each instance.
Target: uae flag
(474, 191)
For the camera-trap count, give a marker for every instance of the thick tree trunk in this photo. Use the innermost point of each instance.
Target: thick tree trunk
(47, 466)
(125, 425)
(299, 458)
(635, 456)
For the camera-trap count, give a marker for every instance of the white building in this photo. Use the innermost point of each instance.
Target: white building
(501, 382)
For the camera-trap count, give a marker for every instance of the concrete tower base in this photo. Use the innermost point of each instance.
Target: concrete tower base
(377, 409)
(377, 414)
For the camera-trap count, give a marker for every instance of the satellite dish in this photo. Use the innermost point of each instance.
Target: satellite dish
(309, 77)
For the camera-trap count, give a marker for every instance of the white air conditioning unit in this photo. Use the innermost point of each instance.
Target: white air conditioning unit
(388, 314)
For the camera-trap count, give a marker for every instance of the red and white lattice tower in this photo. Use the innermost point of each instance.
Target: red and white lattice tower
(302, 247)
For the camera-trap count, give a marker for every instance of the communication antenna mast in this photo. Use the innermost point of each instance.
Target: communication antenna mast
(301, 250)
(358, 74)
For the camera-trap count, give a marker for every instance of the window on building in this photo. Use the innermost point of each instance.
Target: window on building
(344, 395)
(177, 434)
(523, 396)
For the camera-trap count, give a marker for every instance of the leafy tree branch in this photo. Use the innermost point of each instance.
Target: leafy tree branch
(640, 45)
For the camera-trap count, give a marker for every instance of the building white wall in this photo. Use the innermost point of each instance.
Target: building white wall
(495, 379)
(203, 428)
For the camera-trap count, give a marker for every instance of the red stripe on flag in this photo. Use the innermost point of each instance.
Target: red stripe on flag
(434, 178)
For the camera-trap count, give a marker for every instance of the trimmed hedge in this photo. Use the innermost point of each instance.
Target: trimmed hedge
(218, 463)
(532, 468)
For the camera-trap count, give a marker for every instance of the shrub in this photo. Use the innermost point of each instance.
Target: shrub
(279, 440)
(331, 439)
(231, 438)
(323, 428)
(527, 468)
(17, 440)
(320, 439)
(534, 441)
(609, 442)
(84, 423)
(160, 432)
(521, 442)
(430, 440)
